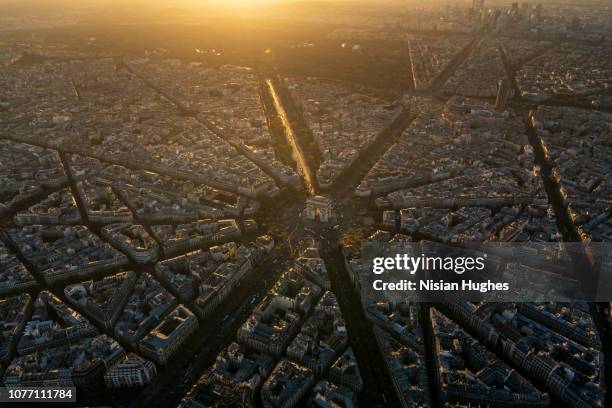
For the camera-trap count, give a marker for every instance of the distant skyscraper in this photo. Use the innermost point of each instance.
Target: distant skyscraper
(504, 91)
(496, 15)
(538, 12)
(525, 10)
(478, 5)
(514, 11)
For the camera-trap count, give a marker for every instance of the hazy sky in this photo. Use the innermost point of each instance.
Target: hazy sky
(39, 6)
(81, 3)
